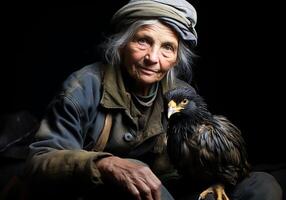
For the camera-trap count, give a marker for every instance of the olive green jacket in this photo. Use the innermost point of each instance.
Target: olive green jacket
(63, 147)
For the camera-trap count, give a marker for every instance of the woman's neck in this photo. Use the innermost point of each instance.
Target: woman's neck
(139, 89)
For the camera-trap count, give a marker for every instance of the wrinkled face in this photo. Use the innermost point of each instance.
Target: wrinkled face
(151, 53)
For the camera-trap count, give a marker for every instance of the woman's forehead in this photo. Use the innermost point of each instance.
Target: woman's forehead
(158, 29)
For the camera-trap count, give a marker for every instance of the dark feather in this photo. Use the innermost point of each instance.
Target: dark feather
(206, 147)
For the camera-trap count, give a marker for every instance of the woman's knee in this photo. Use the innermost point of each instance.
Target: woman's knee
(259, 185)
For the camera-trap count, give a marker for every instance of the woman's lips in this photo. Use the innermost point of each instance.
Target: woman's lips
(147, 71)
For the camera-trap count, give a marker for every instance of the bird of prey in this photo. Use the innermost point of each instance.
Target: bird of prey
(206, 148)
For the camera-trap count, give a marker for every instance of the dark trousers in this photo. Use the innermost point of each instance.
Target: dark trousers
(258, 186)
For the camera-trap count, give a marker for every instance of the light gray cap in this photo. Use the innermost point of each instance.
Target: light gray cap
(179, 14)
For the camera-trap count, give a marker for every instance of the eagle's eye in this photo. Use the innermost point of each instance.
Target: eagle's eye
(185, 101)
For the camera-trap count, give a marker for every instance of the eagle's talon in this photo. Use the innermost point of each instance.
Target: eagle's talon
(218, 191)
(204, 194)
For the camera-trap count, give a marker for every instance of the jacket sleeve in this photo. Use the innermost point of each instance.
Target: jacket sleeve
(57, 153)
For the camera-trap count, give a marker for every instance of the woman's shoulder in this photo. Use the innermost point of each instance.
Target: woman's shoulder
(83, 87)
(93, 70)
(87, 75)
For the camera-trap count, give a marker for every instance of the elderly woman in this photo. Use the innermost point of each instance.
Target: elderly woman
(105, 130)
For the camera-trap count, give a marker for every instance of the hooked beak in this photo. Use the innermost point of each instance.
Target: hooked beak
(173, 108)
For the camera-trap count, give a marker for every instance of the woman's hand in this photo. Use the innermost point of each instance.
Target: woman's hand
(137, 178)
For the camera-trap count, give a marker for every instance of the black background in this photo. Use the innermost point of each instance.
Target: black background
(239, 70)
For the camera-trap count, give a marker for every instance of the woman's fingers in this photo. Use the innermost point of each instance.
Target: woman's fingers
(145, 191)
(147, 183)
(155, 185)
(133, 190)
(137, 178)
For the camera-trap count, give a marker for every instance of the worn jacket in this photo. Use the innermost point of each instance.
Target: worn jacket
(62, 150)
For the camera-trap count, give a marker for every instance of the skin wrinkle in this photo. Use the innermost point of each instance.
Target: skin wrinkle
(150, 54)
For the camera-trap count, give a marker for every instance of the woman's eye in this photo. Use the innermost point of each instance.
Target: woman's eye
(142, 41)
(168, 47)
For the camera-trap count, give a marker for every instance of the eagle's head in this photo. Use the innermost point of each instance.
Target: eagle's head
(184, 101)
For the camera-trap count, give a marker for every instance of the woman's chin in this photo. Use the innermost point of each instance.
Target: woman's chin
(147, 80)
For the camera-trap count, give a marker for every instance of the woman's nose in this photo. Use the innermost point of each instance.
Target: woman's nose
(152, 56)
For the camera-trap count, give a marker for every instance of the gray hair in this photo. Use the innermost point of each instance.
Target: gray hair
(179, 14)
(115, 42)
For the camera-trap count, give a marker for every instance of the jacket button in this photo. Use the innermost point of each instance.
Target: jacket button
(128, 137)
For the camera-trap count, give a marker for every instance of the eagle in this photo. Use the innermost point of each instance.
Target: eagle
(206, 148)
